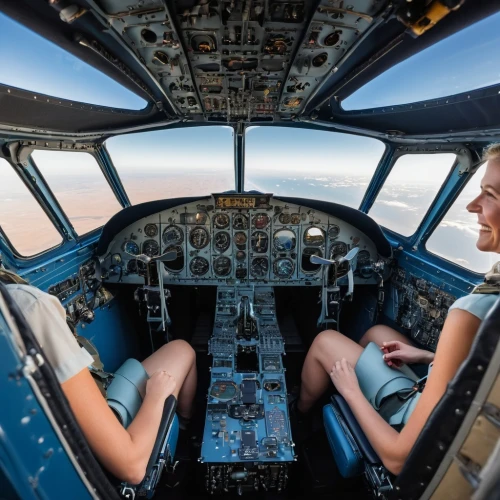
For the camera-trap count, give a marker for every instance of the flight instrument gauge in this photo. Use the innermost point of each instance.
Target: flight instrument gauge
(240, 240)
(260, 242)
(284, 240)
(333, 231)
(283, 268)
(295, 219)
(222, 241)
(135, 266)
(131, 247)
(199, 266)
(240, 221)
(363, 258)
(223, 390)
(151, 248)
(199, 238)
(285, 218)
(314, 236)
(339, 249)
(260, 221)
(307, 265)
(151, 230)
(260, 267)
(173, 235)
(177, 264)
(221, 221)
(222, 266)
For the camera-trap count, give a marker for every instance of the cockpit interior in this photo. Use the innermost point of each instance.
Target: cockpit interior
(274, 169)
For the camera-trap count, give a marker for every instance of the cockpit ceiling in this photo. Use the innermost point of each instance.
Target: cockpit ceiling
(230, 60)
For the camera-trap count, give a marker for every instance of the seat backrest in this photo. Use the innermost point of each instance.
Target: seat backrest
(447, 417)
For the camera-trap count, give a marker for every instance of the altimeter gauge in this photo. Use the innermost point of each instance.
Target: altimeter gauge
(173, 235)
(221, 221)
(199, 266)
(222, 240)
(199, 238)
(151, 248)
(283, 268)
(260, 267)
(222, 266)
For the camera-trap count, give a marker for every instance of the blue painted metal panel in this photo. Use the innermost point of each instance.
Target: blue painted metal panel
(32, 458)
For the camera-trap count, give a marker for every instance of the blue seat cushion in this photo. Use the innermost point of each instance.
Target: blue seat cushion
(350, 447)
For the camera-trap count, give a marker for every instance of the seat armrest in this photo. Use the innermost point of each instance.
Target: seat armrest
(364, 445)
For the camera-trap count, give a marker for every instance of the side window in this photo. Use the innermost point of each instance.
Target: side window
(80, 187)
(23, 220)
(455, 237)
(409, 190)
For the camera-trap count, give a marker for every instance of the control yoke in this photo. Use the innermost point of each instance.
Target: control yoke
(165, 257)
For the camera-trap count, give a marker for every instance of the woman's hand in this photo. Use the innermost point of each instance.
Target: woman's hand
(160, 385)
(344, 378)
(398, 353)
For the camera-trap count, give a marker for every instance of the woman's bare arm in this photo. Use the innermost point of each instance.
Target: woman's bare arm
(392, 447)
(124, 452)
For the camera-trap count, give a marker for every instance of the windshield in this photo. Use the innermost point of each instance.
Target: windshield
(58, 73)
(173, 163)
(310, 164)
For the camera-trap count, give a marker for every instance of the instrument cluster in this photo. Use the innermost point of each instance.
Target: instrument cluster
(271, 243)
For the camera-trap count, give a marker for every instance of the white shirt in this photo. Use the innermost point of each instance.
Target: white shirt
(47, 319)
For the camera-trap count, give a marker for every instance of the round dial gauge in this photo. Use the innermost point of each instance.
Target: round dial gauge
(333, 231)
(240, 221)
(285, 218)
(307, 265)
(198, 266)
(151, 230)
(260, 242)
(260, 221)
(173, 235)
(151, 248)
(222, 266)
(199, 238)
(339, 249)
(314, 237)
(283, 268)
(135, 266)
(284, 240)
(240, 255)
(131, 247)
(224, 391)
(221, 221)
(363, 257)
(178, 264)
(295, 219)
(222, 241)
(241, 273)
(260, 267)
(240, 239)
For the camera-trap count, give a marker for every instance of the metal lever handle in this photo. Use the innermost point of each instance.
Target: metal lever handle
(316, 259)
(350, 255)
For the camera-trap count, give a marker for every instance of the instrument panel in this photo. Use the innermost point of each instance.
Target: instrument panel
(271, 242)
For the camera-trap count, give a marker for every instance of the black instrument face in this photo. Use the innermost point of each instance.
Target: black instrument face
(283, 268)
(260, 267)
(178, 264)
(285, 218)
(314, 237)
(199, 266)
(173, 235)
(151, 230)
(339, 249)
(307, 265)
(333, 231)
(199, 238)
(295, 219)
(222, 241)
(151, 248)
(135, 266)
(222, 266)
(260, 242)
(221, 221)
(240, 221)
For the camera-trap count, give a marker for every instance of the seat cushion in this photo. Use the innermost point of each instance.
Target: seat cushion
(344, 448)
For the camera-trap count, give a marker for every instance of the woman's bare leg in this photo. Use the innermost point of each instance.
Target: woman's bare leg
(380, 334)
(179, 359)
(328, 347)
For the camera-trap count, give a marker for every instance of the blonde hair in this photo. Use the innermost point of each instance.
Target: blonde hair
(10, 278)
(492, 152)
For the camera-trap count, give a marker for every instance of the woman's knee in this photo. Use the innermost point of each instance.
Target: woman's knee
(378, 334)
(181, 349)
